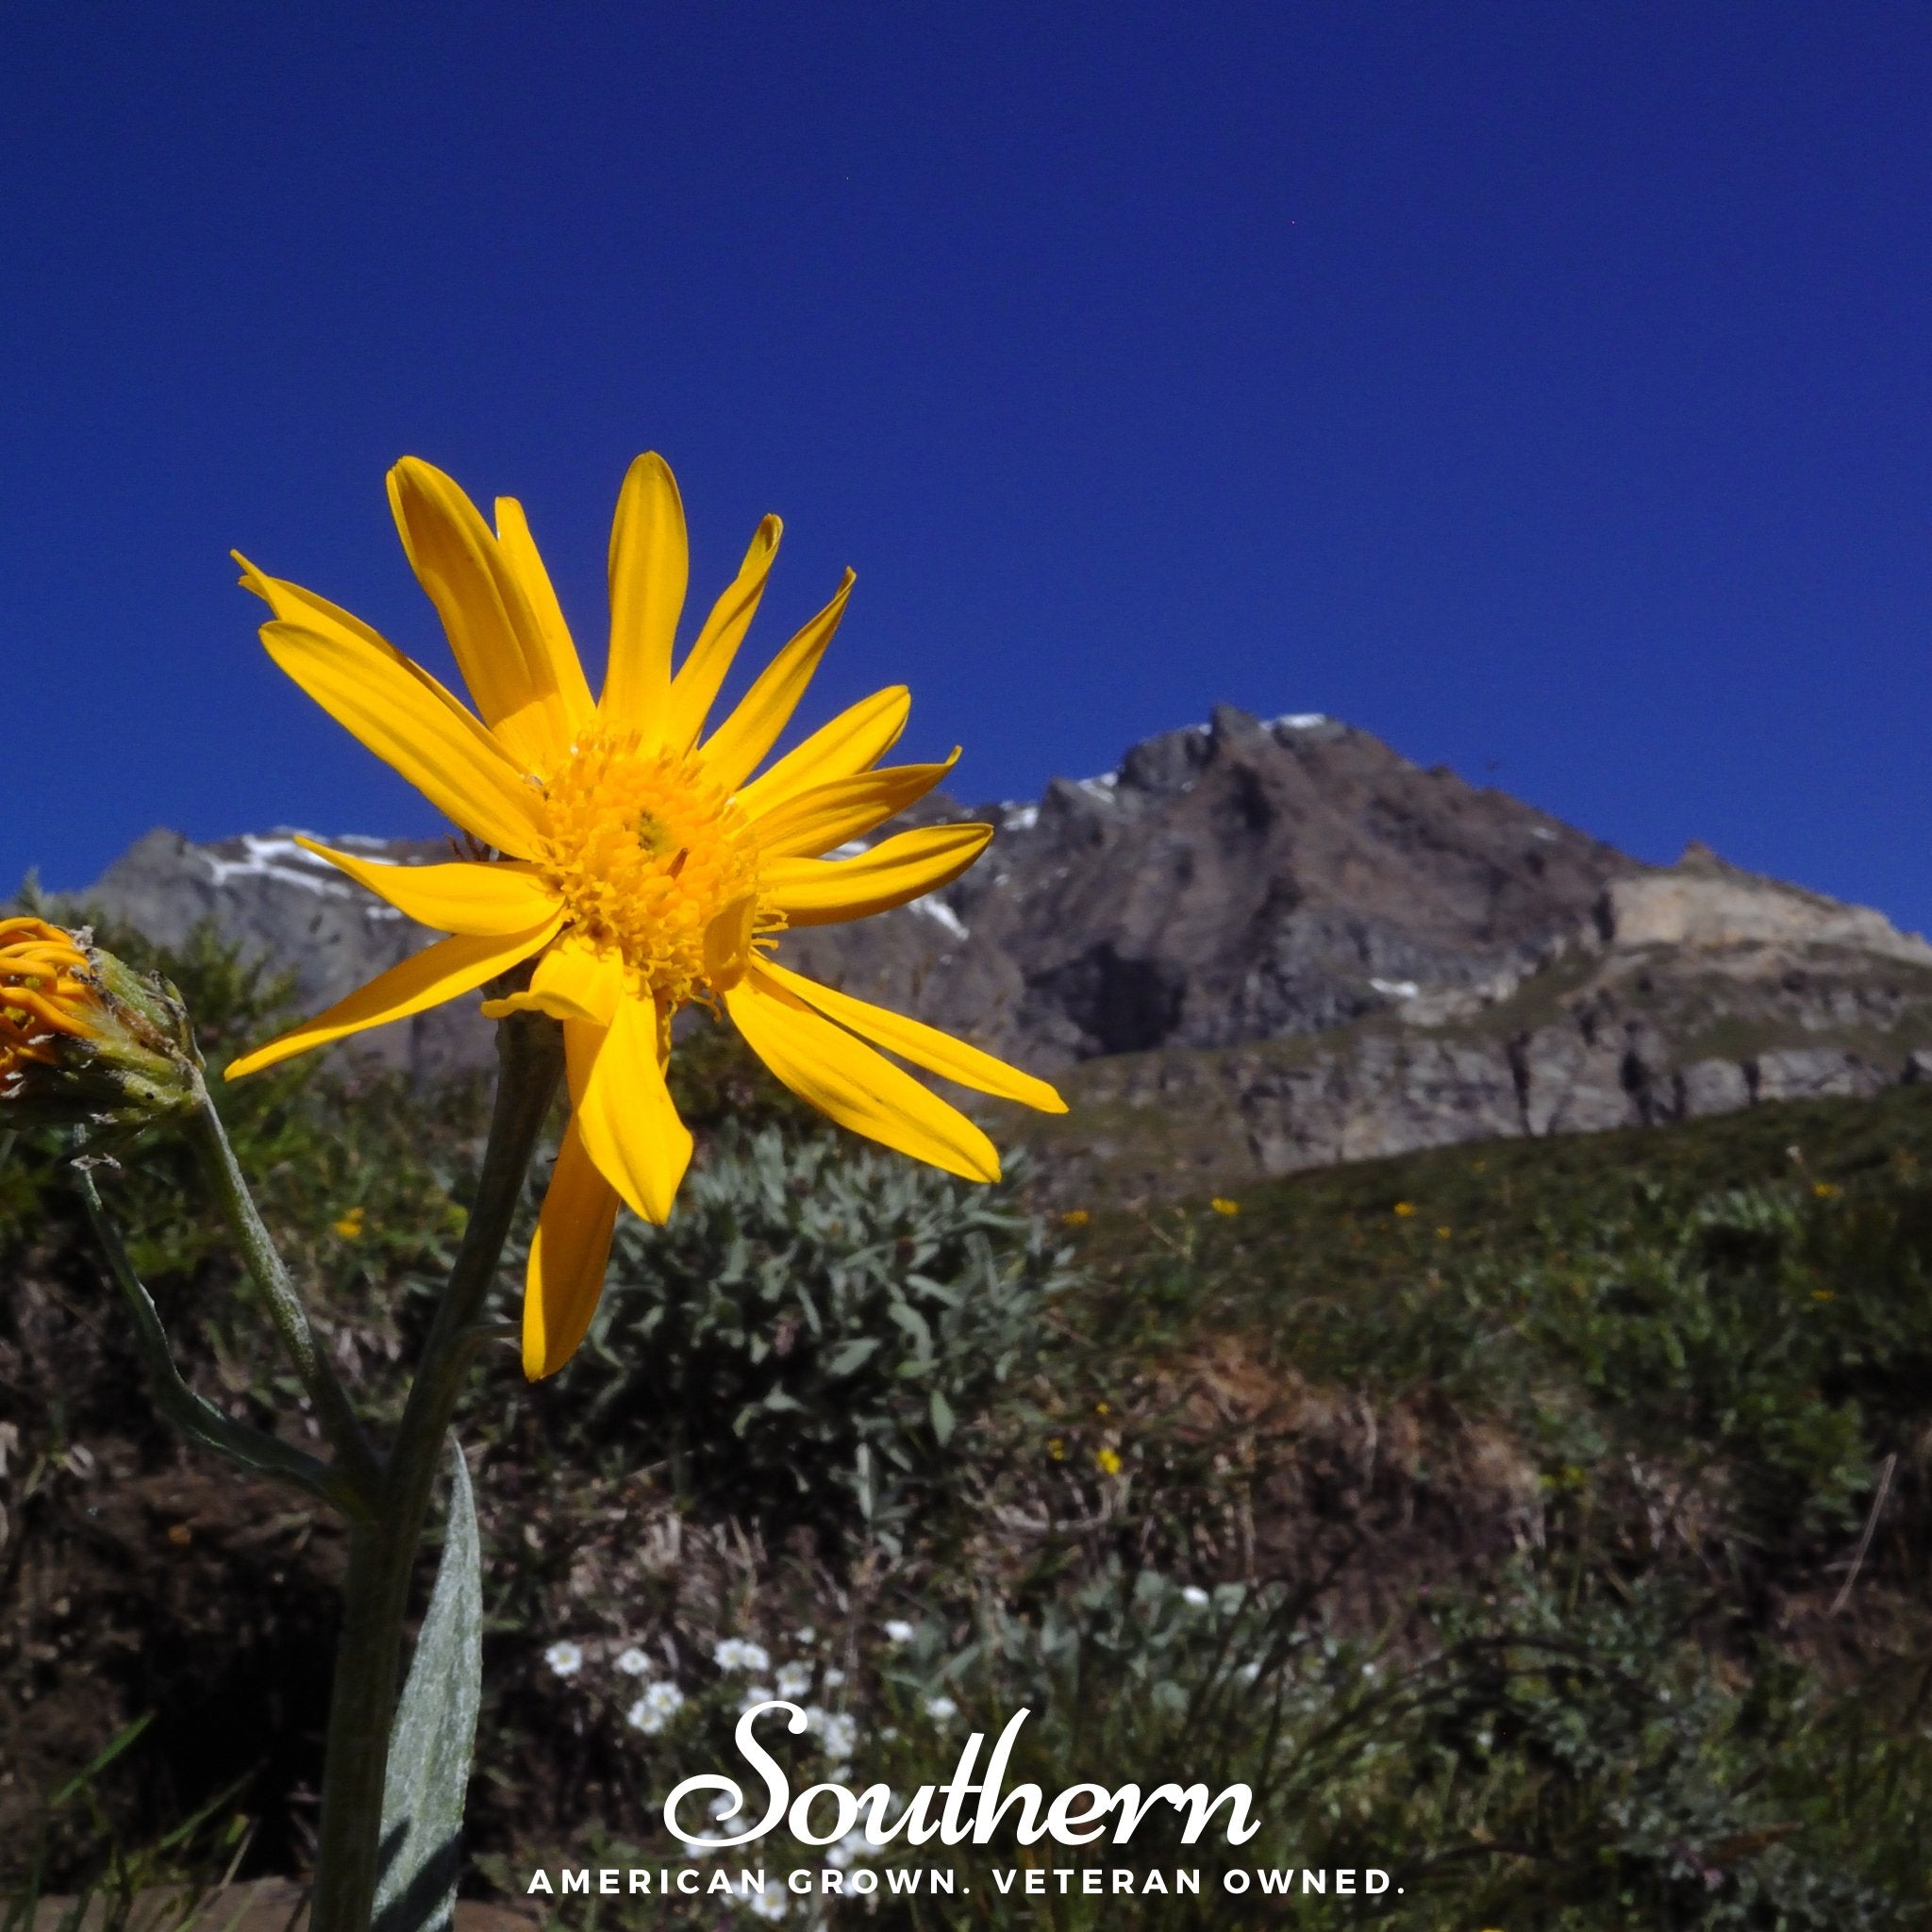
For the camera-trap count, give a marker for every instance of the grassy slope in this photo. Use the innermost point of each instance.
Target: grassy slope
(1558, 1478)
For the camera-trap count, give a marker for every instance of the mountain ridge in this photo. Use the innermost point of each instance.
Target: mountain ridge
(1280, 930)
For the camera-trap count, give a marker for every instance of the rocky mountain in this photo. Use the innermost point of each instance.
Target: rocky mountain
(1257, 947)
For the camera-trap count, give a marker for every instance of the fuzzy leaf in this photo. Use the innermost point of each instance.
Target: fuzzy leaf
(434, 1733)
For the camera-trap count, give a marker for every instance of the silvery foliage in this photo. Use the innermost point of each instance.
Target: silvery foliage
(815, 1325)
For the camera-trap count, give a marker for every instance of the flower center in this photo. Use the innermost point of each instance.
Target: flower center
(46, 990)
(653, 859)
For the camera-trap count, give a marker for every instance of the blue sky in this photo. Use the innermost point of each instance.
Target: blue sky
(1543, 388)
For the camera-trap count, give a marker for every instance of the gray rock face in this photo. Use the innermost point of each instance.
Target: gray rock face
(1255, 947)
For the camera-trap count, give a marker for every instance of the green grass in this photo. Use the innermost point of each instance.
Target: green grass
(1535, 1486)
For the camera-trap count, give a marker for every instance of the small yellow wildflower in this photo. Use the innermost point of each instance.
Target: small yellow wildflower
(1075, 1216)
(1221, 1205)
(1405, 1210)
(1107, 1461)
(1056, 1448)
(1822, 1295)
(1826, 1191)
(350, 1225)
(1103, 1408)
(1442, 1234)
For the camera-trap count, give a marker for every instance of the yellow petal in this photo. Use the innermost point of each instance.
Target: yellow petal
(568, 1258)
(695, 687)
(574, 980)
(291, 603)
(407, 718)
(483, 900)
(649, 564)
(853, 742)
(519, 551)
(629, 1125)
(500, 645)
(912, 1040)
(824, 891)
(860, 1089)
(732, 751)
(829, 814)
(424, 979)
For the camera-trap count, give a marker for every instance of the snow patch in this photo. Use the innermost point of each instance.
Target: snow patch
(275, 856)
(1018, 818)
(1300, 720)
(1102, 788)
(1396, 989)
(1542, 832)
(942, 914)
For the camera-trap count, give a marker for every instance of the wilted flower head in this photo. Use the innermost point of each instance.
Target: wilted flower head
(84, 1039)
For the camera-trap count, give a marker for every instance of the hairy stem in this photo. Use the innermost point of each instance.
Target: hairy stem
(197, 1418)
(382, 1551)
(357, 1460)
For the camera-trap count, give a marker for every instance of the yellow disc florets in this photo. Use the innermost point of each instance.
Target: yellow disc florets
(654, 861)
(46, 993)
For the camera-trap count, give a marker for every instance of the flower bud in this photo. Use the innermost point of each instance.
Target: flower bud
(84, 1039)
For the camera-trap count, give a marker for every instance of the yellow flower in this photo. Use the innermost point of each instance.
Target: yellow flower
(1056, 1448)
(1404, 1210)
(1442, 1234)
(350, 1225)
(46, 993)
(84, 1039)
(1221, 1205)
(1107, 1460)
(1826, 1191)
(639, 862)
(1075, 1216)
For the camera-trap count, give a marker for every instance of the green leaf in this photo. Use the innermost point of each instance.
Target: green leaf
(435, 1732)
(942, 1418)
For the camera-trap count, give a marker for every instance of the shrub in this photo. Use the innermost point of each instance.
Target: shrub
(817, 1323)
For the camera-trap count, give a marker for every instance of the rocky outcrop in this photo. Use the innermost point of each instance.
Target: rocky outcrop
(1259, 946)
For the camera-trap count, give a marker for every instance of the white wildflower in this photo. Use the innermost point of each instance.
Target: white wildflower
(1195, 1597)
(755, 1695)
(855, 1844)
(840, 1735)
(793, 1680)
(898, 1631)
(736, 1654)
(807, 1636)
(941, 1710)
(833, 1677)
(633, 1663)
(766, 1905)
(566, 1660)
(654, 1708)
